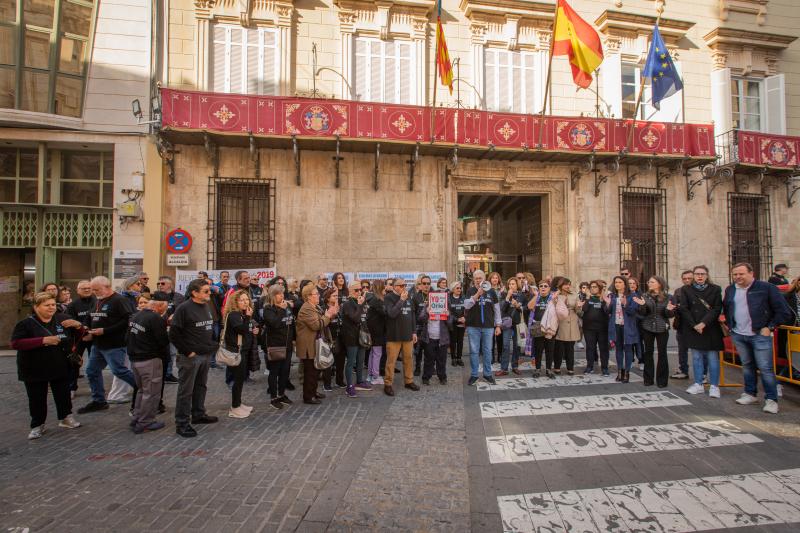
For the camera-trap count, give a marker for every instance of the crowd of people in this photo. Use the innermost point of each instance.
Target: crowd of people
(350, 336)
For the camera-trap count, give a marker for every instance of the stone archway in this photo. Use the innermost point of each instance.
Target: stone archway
(518, 180)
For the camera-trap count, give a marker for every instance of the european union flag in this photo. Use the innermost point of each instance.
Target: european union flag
(660, 70)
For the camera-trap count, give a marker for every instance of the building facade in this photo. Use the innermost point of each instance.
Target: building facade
(339, 199)
(70, 149)
(309, 134)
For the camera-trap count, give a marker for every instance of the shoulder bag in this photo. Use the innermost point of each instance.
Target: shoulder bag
(324, 357)
(364, 338)
(225, 356)
(74, 358)
(726, 331)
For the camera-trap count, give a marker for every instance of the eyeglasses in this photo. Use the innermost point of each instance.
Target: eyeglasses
(356, 290)
(161, 283)
(425, 283)
(701, 273)
(145, 279)
(205, 291)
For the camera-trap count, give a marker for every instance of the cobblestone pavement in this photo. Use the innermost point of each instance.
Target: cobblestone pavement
(577, 454)
(366, 464)
(571, 454)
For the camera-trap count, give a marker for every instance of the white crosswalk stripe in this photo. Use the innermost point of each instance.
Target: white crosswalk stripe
(614, 441)
(576, 404)
(696, 504)
(579, 364)
(544, 382)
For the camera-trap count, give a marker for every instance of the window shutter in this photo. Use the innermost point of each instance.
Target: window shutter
(405, 79)
(362, 69)
(219, 60)
(253, 53)
(504, 80)
(390, 74)
(490, 79)
(540, 76)
(721, 100)
(775, 104)
(670, 107)
(269, 79)
(529, 85)
(611, 78)
(376, 71)
(516, 81)
(236, 63)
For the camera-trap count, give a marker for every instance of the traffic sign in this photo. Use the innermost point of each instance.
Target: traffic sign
(174, 260)
(179, 241)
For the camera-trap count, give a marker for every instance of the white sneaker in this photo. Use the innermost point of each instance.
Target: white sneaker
(69, 422)
(238, 412)
(641, 366)
(377, 380)
(771, 406)
(746, 399)
(248, 408)
(713, 391)
(695, 388)
(36, 432)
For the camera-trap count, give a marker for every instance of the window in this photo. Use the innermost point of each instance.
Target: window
(87, 179)
(244, 61)
(631, 80)
(643, 232)
(749, 233)
(385, 72)
(746, 104)
(44, 50)
(242, 223)
(511, 81)
(19, 170)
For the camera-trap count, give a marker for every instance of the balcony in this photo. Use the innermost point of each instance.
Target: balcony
(592, 145)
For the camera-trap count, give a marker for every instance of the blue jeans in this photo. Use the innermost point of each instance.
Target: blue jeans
(756, 351)
(702, 360)
(510, 349)
(480, 349)
(114, 358)
(624, 351)
(355, 358)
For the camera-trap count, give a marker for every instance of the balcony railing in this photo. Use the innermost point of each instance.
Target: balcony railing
(63, 228)
(751, 148)
(320, 122)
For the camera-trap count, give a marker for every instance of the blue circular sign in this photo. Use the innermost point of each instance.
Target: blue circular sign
(179, 241)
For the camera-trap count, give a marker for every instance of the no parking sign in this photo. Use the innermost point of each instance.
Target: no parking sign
(179, 241)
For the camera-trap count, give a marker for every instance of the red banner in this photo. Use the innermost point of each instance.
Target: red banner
(307, 117)
(771, 150)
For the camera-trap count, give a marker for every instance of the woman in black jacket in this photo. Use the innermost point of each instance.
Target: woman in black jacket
(655, 309)
(333, 334)
(239, 334)
(353, 315)
(455, 302)
(43, 341)
(594, 314)
(279, 336)
(376, 323)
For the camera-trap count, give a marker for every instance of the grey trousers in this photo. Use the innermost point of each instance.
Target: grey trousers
(148, 375)
(192, 377)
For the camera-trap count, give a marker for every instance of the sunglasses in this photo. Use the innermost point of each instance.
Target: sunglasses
(425, 283)
(356, 290)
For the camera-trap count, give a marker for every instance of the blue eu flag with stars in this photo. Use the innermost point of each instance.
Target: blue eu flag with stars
(660, 71)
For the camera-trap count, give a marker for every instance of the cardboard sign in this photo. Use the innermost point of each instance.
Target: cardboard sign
(437, 306)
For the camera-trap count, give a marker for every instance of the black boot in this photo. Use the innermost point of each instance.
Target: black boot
(619, 375)
(626, 377)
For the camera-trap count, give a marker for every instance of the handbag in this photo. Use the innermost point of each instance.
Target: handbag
(277, 353)
(75, 359)
(225, 356)
(522, 335)
(726, 331)
(324, 357)
(364, 338)
(506, 323)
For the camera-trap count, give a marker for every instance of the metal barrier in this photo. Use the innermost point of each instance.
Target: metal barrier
(728, 357)
(784, 364)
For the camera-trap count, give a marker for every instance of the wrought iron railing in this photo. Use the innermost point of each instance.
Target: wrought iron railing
(62, 228)
(727, 147)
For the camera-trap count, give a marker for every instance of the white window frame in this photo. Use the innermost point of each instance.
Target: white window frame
(646, 110)
(261, 50)
(762, 115)
(492, 58)
(370, 65)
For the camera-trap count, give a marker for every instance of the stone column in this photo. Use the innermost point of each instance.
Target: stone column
(478, 64)
(347, 20)
(203, 15)
(284, 22)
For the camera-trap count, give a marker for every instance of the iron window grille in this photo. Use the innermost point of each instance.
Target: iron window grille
(749, 232)
(643, 232)
(241, 223)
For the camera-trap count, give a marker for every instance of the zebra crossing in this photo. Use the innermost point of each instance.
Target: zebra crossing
(768, 496)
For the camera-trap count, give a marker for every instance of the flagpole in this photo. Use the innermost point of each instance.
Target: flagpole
(547, 81)
(435, 85)
(641, 92)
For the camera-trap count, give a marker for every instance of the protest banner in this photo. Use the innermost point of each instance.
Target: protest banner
(259, 275)
(437, 306)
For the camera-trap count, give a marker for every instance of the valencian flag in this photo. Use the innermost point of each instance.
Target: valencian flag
(442, 57)
(574, 37)
(660, 70)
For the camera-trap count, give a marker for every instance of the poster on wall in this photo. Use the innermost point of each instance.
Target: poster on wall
(128, 263)
(260, 275)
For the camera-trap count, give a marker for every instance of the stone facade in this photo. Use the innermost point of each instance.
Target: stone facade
(353, 227)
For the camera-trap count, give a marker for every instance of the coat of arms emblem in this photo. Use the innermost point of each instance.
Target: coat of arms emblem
(581, 135)
(316, 118)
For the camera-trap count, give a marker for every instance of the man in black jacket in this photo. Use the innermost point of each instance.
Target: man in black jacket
(191, 331)
(779, 273)
(148, 345)
(79, 310)
(166, 292)
(401, 325)
(687, 277)
(108, 325)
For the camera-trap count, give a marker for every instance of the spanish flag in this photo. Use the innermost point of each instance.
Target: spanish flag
(574, 37)
(442, 57)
